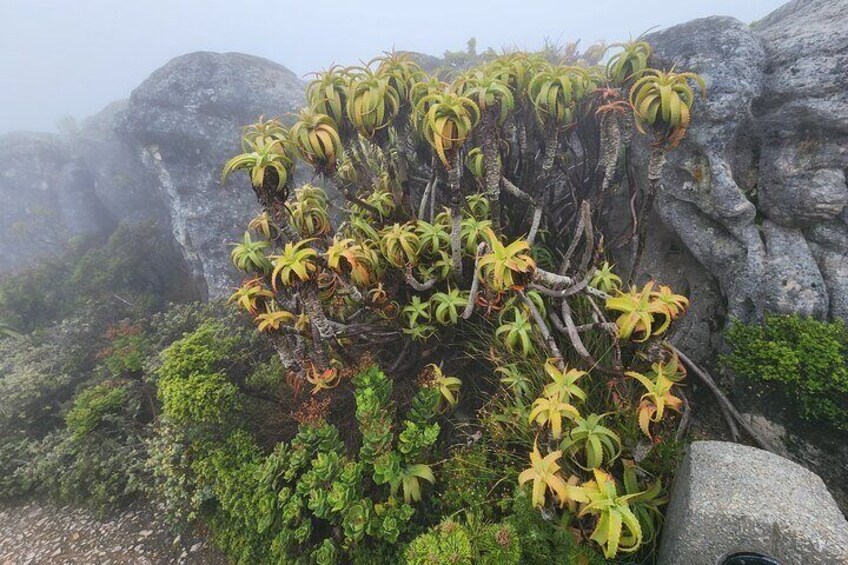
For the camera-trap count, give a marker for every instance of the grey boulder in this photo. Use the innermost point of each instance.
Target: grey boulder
(730, 498)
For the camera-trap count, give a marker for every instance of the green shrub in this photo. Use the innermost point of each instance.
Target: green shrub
(545, 541)
(33, 384)
(99, 459)
(803, 357)
(92, 406)
(473, 544)
(201, 398)
(97, 471)
(15, 478)
(310, 500)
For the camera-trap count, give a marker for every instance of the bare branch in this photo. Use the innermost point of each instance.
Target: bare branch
(534, 226)
(420, 287)
(516, 192)
(588, 236)
(573, 334)
(723, 400)
(543, 329)
(475, 282)
(551, 280)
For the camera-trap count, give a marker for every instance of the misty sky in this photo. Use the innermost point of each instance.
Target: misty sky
(72, 57)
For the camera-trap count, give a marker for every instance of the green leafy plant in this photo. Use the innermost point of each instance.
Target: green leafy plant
(802, 357)
(597, 442)
(447, 306)
(658, 396)
(249, 256)
(618, 528)
(663, 99)
(295, 263)
(505, 266)
(544, 473)
(518, 333)
(630, 63)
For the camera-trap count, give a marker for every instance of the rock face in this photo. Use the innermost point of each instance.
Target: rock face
(46, 196)
(757, 190)
(185, 122)
(730, 498)
(156, 157)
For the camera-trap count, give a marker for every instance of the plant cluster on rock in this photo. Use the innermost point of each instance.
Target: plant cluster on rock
(471, 240)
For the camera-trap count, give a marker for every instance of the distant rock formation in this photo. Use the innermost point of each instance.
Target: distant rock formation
(155, 157)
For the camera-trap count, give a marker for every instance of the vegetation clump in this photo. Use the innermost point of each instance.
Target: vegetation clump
(802, 357)
(455, 241)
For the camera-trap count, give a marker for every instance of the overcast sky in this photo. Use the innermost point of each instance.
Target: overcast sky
(72, 57)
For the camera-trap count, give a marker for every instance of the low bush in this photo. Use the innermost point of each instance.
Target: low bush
(804, 358)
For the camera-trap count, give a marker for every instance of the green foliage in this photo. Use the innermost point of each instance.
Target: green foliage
(447, 543)
(469, 479)
(215, 439)
(201, 398)
(136, 271)
(99, 459)
(473, 543)
(545, 541)
(76, 408)
(103, 471)
(283, 507)
(93, 407)
(805, 358)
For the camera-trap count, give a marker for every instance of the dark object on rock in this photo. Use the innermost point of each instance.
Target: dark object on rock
(749, 559)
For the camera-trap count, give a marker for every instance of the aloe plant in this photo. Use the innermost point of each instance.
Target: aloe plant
(447, 306)
(597, 443)
(249, 256)
(617, 528)
(517, 334)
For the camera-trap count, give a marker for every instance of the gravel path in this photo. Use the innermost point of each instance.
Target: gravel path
(37, 534)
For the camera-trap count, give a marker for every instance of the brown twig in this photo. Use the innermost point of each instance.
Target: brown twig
(723, 400)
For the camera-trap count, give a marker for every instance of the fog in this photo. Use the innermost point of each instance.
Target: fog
(71, 58)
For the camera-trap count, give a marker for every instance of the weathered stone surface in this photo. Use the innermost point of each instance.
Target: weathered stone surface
(791, 281)
(46, 198)
(156, 157)
(729, 497)
(803, 112)
(701, 200)
(828, 242)
(769, 142)
(184, 123)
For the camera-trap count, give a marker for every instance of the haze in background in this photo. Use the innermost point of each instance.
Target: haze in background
(70, 58)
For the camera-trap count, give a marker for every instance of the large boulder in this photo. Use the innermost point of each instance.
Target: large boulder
(730, 498)
(757, 191)
(47, 197)
(156, 157)
(184, 123)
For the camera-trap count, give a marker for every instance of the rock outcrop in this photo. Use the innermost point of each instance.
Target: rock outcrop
(155, 157)
(730, 498)
(754, 199)
(185, 122)
(46, 197)
(757, 190)
(753, 206)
